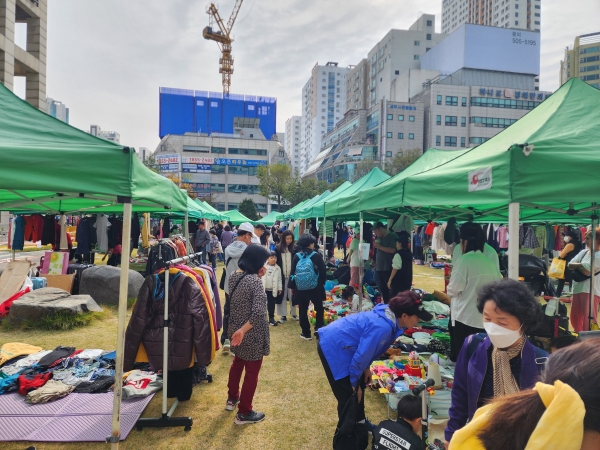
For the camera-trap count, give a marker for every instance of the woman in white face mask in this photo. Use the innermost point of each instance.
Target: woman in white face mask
(502, 362)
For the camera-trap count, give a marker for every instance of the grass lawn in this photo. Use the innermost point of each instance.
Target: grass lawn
(292, 391)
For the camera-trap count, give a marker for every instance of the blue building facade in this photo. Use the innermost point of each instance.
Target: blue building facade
(183, 111)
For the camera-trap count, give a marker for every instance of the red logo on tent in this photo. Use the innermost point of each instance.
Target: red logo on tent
(475, 179)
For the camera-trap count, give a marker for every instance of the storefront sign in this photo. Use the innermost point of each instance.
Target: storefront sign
(195, 178)
(240, 162)
(200, 187)
(197, 160)
(195, 168)
(512, 93)
(480, 180)
(405, 107)
(168, 162)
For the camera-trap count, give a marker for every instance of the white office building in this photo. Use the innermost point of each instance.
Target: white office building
(323, 105)
(112, 136)
(396, 53)
(57, 109)
(293, 137)
(516, 14)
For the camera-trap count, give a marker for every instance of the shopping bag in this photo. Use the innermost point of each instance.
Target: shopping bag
(350, 435)
(557, 269)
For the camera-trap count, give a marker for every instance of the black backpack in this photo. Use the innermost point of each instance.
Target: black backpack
(350, 435)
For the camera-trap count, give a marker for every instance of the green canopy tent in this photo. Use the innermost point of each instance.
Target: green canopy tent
(236, 217)
(50, 167)
(317, 209)
(269, 219)
(316, 199)
(289, 214)
(209, 212)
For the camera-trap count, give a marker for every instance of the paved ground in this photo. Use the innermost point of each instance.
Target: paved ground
(6, 257)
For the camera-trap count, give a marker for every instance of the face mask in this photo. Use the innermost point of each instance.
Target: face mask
(501, 337)
(567, 238)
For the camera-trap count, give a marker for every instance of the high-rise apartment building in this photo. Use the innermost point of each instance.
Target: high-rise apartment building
(518, 14)
(582, 60)
(323, 105)
(57, 109)
(112, 136)
(397, 52)
(28, 62)
(357, 86)
(293, 136)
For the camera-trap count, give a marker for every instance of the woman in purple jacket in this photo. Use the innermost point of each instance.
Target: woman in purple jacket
(502, 362)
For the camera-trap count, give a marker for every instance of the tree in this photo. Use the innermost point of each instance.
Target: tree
(248, 208)
(188, 187)
(336, 184)
(401, 161)
(274, 182)
(152, 164)
(363, 168)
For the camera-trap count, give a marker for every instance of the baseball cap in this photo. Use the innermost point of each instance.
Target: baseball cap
(379, 225)
(246, 226)
(420, 312)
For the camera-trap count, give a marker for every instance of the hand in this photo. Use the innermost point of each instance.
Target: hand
(359, 394)
(447, 444)
(279, 292)
(291, 291)
(389, 284)
(237, 338)
(368, 377)
(262, 272)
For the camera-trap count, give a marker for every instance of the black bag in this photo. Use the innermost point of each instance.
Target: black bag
(223, 275)
(580, 277)
(350, 435)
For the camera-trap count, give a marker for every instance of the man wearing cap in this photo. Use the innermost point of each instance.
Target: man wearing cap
(348, 346)
(258, 231)
(386, 248)
(202, 239)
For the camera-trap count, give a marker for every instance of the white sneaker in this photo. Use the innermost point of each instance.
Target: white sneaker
(226, 347)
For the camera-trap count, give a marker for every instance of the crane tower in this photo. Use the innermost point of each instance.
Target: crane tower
(223, 38)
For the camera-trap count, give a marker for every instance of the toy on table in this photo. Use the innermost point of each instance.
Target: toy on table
(414, 368)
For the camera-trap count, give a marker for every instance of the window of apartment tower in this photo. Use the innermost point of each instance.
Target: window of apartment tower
(430, 23)
(428, 36)
(439, 99)
(389, 134)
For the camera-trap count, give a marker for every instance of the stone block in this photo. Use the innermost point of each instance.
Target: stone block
(102, 283)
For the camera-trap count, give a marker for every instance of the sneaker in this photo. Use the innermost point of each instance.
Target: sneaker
(294, 317)
(251, 417)
(305, 337)
(282, 319)
(317, 335)
(272, 323)
(231, 404)
(226, 347)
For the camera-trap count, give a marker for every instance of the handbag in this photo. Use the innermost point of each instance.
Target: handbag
(557, 269)
(350, 435)
(223, 275)
(579, 277)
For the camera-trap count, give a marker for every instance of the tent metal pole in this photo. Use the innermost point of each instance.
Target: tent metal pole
(124, 282)
(592, 271)
(165, 343)
(325, 239)
(513, 242)
(361, 264)
(186, 234)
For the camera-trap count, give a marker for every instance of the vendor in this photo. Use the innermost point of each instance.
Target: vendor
(502, 363)
(572, 248)
(401, 277)
(348, 346)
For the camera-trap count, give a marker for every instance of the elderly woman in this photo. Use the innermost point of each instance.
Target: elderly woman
(502, 362)
(248, 331)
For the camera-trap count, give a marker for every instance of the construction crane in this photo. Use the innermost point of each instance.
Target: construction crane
(223, 38)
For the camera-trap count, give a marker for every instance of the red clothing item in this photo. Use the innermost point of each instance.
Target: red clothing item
(250, 382)
(6, 304)
(430, 227)
(28, 383)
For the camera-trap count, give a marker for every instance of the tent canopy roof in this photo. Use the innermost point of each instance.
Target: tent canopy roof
(50, 166)
(236, 217)
(317, 209)
(269, 219)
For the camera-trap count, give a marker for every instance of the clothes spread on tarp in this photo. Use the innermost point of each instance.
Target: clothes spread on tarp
(9, 383)
(141, 384)
(55, 355)
(18, 231)
(48, 232)
(52, 390)
(102, 225)
(22, 364)
(180, 384)
(99, 385)
(30, 380)
(12, 350)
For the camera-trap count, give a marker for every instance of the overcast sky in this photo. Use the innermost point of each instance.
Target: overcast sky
(107, 58)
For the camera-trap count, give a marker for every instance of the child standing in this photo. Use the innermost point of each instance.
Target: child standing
(214, 248)
(273, 287)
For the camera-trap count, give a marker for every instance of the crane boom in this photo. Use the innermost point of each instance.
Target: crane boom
(223, 39)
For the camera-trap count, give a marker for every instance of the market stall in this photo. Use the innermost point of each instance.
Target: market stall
(269, 219)
(236, 217)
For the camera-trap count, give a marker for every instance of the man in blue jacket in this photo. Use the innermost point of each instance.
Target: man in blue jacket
(348, 346)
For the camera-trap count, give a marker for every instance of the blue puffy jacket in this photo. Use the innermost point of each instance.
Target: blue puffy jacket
(351, 344)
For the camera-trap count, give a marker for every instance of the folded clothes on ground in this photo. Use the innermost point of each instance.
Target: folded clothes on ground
(99, 385)
(55, 355)
(141, 384)
(23, 363)
(52, 390)
(31, 380)
(12, 350)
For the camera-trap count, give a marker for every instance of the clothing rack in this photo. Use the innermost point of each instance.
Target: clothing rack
(166, 420)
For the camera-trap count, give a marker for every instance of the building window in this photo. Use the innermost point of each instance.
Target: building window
(411, 118)
(464, 101)
(388, 154)
(416, 57)
(439, 99)
(430, 23)
(427, 49)
(438, 120)
(451, 101)
(411, 136)
(400, 135)
(516, 14)
(417, 43)
(217, 169)
(214, 187)
(516, 23)
(390, 117)
(389, 134)
(428, 36)
(217, 150)
(537, 14)
(463, 121)
(450, 121)
(401, 118)
(247, 151)
(438, 141)
(242, 170)
(537, 22)
(462, 142)
(450, 141)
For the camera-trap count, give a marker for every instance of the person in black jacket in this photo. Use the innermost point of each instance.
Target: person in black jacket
(401, 433)
(306, 245)
(402, 274)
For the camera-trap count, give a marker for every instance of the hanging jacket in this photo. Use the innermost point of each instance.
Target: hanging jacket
(158, 256)
(352, 343)
(189, 324)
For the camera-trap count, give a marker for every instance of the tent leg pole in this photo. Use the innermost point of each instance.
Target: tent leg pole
(186, 234)
(124, 282)
(360, 264)
(592, 270)
(165, 345)
(325, 239)
(513, 242)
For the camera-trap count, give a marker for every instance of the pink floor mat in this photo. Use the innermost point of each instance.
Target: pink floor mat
(75, 418)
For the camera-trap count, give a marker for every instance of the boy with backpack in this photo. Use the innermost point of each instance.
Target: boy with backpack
(307, 282)
(401, 433)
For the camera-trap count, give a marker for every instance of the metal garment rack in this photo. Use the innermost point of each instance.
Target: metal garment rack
(166, 420)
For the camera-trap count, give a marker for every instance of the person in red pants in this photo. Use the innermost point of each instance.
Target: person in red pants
(248, 331)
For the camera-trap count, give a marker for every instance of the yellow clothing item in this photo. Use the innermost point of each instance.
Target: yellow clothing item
(552, 430)
(146, 231)
(13, 349)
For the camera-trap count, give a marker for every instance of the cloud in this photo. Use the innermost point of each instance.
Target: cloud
(106, 60)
